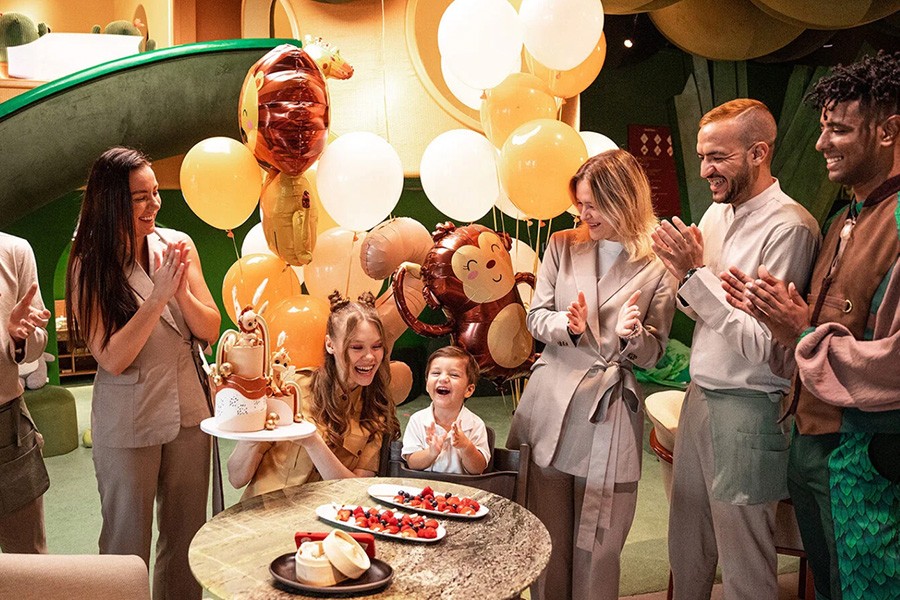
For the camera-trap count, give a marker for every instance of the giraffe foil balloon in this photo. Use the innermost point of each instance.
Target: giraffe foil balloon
(468, 274)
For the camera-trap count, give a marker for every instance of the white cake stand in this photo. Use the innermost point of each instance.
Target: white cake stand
(294, 431)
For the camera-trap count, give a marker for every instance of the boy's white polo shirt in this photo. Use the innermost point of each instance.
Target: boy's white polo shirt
(448, 461)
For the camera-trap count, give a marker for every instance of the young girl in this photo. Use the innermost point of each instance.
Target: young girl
(348, 398)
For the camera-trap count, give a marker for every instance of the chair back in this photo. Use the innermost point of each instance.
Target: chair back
(506, 474)
(74, 577)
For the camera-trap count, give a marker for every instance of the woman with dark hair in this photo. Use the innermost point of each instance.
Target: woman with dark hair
(603, 303)
(350, 400)
(135, 294)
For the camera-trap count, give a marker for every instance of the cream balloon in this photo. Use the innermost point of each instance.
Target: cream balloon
(469, 96)
(561, 34)
(360, 179)
(597, 143)
(325, 221)
(524, 260)
(480, 39)
(459, 174)
(336, 266)
(255, 243)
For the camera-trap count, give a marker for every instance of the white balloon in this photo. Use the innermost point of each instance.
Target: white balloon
(360, 179)
(561, 34)
(469, 96)
(480, 39)
(524, 260)
(459, 174)
(597, 143)
(335, 265)
(255, 243)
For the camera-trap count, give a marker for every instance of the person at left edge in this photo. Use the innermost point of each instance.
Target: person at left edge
(135, 294)
(23, 476)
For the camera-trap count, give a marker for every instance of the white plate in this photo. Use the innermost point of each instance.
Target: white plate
(328, 512)
(294, 431)
(385, 492)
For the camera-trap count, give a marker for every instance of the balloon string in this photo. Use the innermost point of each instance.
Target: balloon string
(517, 229)
(230, 234)
(387, 131)
(350, 266)
(549, 227)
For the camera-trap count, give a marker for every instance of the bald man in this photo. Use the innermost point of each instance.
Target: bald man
(730, 458)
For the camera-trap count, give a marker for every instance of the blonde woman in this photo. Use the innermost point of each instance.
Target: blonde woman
(603, 303)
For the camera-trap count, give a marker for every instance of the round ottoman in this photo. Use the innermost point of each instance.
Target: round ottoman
(53, 410)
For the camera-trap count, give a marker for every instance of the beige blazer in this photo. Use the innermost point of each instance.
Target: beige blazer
(569, 266)
(596, 369)
(160, 392)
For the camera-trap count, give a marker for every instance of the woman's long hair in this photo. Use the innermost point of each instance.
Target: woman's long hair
(329, 406)
(103, 247)
(622, 192)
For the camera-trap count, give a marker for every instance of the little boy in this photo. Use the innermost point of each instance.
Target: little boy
(447, 437)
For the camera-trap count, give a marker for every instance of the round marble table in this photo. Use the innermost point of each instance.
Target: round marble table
(492, 558)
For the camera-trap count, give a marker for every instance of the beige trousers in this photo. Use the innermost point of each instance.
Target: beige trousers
(704, 531)
(574, 574)
(176, 476)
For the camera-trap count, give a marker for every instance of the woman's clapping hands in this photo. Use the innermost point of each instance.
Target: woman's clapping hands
(577, 315)
(169, 279)
(629, 322)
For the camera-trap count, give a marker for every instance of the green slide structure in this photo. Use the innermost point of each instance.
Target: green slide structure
(162, 102)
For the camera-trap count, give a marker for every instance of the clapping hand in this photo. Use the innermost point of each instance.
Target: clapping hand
(773, 303)
(629, 324)
(678, 246)
(24, 318)
(169, 279)
(577, 315)
(434, 439)
(458, 439)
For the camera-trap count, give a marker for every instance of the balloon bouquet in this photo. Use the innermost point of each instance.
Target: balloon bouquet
(284, 118)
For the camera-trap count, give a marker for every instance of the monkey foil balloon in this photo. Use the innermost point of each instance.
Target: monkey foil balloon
(468, 274)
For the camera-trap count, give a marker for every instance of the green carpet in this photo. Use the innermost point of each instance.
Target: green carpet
(72, 504)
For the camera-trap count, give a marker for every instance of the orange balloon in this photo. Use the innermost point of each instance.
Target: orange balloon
(247, 275)
(220, 182)
(302, 319)
(519, 98)
(536, 163)
(565, 84)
